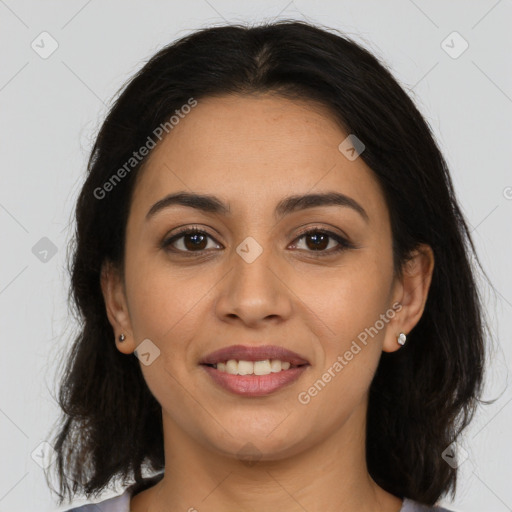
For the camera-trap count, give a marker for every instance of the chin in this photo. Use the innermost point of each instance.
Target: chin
(253, 447)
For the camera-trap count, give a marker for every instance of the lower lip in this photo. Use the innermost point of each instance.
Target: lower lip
(255, 385)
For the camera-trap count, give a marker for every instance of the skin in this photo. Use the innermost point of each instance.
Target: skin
(252, 151)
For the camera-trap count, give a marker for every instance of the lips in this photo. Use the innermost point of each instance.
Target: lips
(254, 386)
(253, 353)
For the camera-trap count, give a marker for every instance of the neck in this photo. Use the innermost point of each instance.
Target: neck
(331, 476)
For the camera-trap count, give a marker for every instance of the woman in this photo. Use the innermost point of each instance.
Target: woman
(270, 228)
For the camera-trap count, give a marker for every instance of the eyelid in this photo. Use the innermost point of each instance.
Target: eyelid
(322, 229)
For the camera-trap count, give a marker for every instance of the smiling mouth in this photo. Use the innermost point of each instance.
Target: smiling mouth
(264, 367)
(252, 379)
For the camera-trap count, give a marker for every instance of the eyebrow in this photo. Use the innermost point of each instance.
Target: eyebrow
(212, 204)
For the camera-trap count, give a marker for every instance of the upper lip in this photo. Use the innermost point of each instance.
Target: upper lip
(253, 353)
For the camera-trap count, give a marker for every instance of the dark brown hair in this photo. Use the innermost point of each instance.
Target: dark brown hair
(422, 396)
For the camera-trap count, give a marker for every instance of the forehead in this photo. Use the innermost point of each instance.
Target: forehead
(253, 150)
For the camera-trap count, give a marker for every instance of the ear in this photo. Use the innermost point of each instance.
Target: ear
(112, 286)
(411, 291)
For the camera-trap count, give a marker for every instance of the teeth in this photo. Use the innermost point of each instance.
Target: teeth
(265, 367)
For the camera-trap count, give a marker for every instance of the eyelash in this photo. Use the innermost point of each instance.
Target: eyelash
(343, 243)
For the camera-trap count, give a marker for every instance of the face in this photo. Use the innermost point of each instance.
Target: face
(252, 277)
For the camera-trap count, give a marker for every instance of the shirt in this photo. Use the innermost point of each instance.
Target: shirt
(121, 503)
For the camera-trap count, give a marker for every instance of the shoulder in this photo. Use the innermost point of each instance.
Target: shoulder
(414, 506)
(119, 503)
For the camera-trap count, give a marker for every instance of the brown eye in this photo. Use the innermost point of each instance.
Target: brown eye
(188, 240)
(317, 240)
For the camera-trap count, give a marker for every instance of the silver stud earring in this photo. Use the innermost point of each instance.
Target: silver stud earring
(122, 337)
(401, 338)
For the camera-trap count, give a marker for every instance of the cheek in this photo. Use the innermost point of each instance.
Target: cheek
(350, 299)
(161, 304)
(353, 309)
(166, 303)
(349, 341)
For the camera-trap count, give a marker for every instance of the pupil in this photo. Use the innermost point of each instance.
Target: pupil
(316, 238)
(198, 239)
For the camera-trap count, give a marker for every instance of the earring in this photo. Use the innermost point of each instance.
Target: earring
(401, 338)
(122, 337)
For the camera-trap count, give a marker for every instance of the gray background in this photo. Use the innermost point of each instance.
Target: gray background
(52, 107)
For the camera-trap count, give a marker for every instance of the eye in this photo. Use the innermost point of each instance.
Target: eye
(189, 240)
(194, 240)
(318, 240)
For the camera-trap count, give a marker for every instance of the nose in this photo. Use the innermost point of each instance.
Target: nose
(255, 291)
